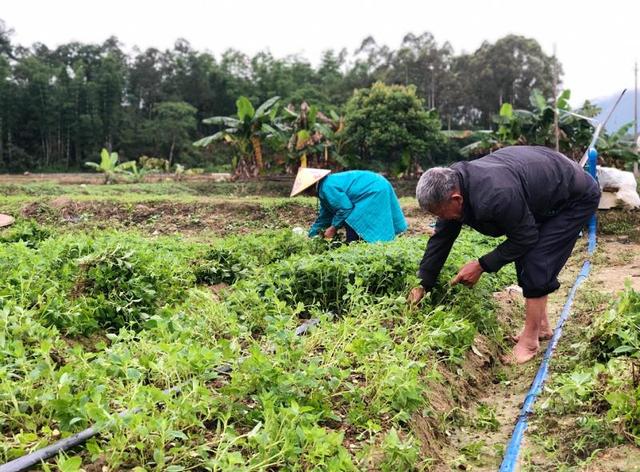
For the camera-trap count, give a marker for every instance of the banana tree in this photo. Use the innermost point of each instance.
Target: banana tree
(109, 166)
(618, 148)
(246, 132)
(536, 127)
(314, 136)
(336, 141)
(574, 130)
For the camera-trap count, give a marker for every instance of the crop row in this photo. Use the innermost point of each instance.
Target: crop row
(602, 390)
(91, 325)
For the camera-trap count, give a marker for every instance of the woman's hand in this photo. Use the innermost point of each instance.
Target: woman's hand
(330, 232)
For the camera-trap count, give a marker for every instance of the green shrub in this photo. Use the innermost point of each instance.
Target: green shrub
(122, 286)
(81, 283)
(29, 232)
(237, 257)
(324, 280)
(617, 331)
(399, 454)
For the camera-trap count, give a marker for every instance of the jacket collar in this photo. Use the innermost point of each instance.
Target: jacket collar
(463, 181)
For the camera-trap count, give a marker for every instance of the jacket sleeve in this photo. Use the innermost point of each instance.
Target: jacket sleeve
(512, 213)
(437, 251)
(339, 202)
(323, 220)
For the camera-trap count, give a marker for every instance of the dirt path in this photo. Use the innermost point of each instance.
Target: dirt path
(491, 422)
(488, 429)
(621, 265)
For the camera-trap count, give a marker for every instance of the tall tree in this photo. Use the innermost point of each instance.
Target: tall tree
(6, 48)
(507, 72)
(174, 126)
(389, 127)
(109, 94)
(144, 85)
(331, 76)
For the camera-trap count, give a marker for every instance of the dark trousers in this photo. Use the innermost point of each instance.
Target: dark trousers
(351, 234)
(538, 269)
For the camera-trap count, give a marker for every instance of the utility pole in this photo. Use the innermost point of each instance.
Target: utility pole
(635, 121)
(556, 112)
(432, 98)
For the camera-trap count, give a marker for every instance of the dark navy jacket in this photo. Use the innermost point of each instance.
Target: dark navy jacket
(508, 192)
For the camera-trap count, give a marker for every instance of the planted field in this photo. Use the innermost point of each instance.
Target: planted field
(267, 350)
(96, 324)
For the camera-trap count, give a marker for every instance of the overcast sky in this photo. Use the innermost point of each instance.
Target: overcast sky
(597, 42)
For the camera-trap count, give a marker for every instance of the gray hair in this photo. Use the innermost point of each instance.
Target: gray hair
(435, 187)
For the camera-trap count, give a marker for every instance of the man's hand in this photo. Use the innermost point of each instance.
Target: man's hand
(416, 295)
(469, 274)
(330, 232)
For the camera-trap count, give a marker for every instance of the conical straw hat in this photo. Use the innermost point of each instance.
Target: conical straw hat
(306, 178)
(6, 220)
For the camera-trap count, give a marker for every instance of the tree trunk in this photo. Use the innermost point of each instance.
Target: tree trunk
(9, 147)
(257, 152)
(68, 148)
(242, 170)
(173, 144)
(1, 142)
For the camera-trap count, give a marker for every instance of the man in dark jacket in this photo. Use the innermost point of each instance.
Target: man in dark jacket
(536, 197)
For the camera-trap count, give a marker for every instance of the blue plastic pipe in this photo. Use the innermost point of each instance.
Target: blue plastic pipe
(512, 452)
(592, 168)
(513, 449)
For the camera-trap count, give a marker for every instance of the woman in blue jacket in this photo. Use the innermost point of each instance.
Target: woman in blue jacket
(362, 202)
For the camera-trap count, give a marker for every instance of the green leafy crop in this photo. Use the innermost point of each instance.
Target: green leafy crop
(603, 386)
(239, 256)
(92, 325)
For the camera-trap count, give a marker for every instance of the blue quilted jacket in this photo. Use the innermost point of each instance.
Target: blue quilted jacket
(362, 199)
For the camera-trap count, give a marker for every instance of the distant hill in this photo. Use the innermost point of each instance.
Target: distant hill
(624, 112)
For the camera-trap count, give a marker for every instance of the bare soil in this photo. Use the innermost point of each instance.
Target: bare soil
(166, 217)
(207, 216)
(618, 459)
(623, 265)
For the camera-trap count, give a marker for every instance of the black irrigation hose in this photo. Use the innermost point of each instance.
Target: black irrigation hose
(33, 459)
(36, 457)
